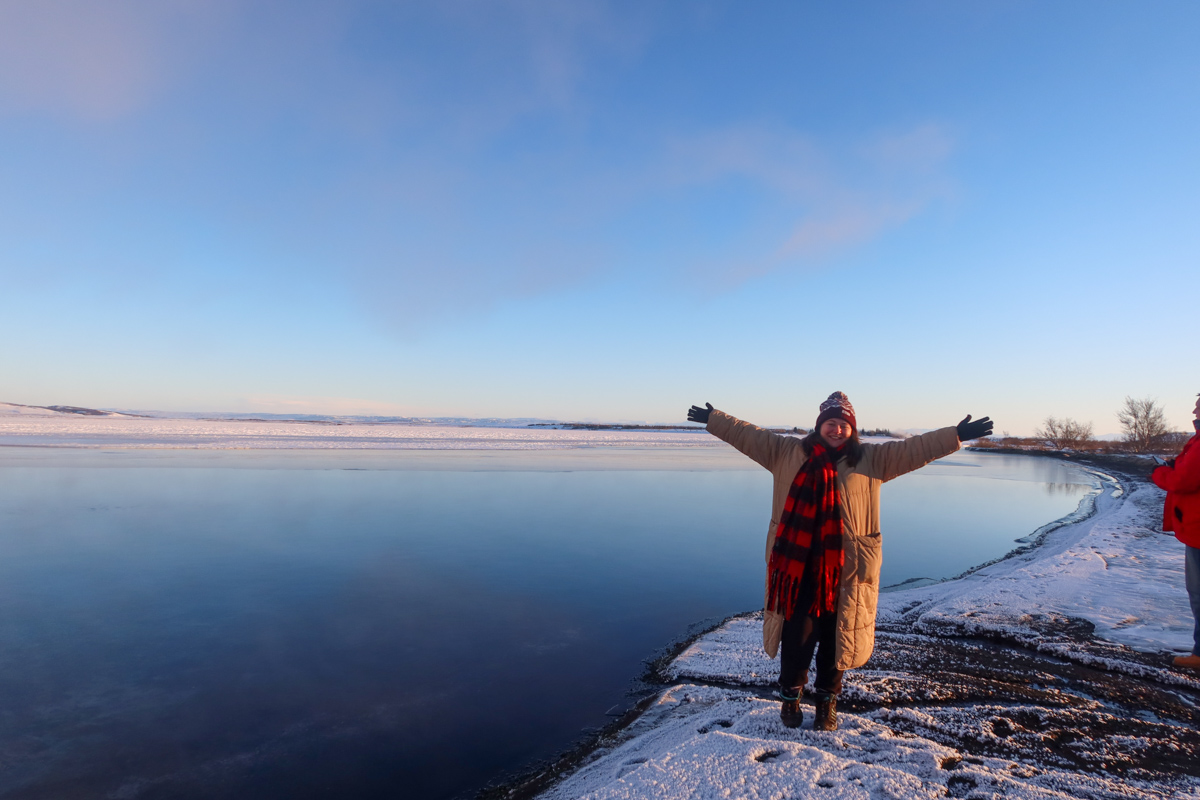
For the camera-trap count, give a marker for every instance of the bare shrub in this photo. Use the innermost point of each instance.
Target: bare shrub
(1174, 441)
(1144, 422)
(1064, 433)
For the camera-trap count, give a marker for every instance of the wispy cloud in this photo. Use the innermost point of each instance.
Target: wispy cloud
(552, 229)
(553, 45)
(440, 174)
(816, 236)
(94, 61)
(814, 199)
(922, 149)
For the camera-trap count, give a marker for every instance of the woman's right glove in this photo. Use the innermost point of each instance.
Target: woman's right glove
(973, 430)
(698, 414)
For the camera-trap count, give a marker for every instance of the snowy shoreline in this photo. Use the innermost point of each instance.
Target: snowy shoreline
(1045, 673)
(1086, 509)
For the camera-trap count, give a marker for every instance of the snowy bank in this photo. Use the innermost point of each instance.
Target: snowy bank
(1043, 675)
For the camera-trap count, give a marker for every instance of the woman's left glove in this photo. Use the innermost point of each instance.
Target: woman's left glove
(973, 430)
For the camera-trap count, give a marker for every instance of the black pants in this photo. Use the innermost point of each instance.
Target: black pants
(802, 635)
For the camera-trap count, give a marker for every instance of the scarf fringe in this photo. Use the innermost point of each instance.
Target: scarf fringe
(785, 591)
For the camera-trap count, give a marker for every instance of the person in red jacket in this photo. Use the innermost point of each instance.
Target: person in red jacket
(1181, 513)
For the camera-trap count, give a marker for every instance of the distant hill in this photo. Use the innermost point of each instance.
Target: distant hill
(19, 410)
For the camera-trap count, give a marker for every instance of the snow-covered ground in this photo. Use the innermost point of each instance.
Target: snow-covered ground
(50, 429)
(714, 742)
(990, 685)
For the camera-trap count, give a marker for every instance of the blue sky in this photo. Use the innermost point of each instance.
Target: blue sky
(602, 211)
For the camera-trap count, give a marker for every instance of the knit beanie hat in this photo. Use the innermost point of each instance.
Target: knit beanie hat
(836, 406)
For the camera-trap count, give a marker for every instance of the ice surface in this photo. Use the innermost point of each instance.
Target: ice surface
(69, 430)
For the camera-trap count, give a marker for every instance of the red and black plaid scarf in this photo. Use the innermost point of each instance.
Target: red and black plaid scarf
(811, 524)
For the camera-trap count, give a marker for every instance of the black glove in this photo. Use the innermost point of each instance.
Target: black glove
(1170, 463)
(973, 430)
(698, 414)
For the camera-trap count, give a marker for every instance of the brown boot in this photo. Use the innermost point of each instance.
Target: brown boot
(826, 719)
(790, 712)
(1188, 662)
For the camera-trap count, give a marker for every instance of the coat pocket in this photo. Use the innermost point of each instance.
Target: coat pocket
(870, 558)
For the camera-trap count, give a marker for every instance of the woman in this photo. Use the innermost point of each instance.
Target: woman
(823, 544)
(1181, 514)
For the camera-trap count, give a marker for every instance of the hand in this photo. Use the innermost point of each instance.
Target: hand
(973, 430)
(698, 414)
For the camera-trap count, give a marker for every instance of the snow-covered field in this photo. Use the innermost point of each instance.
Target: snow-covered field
(48, 429)
(991, 685)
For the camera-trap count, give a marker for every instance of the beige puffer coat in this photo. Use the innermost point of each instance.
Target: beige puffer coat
(862, 542)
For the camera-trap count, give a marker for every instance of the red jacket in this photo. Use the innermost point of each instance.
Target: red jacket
(1182, 482)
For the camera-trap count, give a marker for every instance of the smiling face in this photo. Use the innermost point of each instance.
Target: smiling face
(835, 432)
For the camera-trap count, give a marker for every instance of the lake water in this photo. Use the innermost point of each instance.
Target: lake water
(404, 624)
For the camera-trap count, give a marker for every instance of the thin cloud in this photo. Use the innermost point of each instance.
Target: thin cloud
(815, 237)
(538, 226)
(391, 171)
(925, 148)
(823, 199)
(93, 61)
(779, 159)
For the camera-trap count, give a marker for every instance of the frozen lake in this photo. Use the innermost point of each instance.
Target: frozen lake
(390, 623)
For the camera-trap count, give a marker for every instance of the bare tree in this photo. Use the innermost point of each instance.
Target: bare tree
(1144, 422)
(1063, 433)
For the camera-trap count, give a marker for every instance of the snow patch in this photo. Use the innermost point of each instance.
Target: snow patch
(716, 742)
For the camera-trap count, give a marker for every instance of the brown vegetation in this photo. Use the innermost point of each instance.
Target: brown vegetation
(1064, 433)
(1143, 421)
(1169, 445)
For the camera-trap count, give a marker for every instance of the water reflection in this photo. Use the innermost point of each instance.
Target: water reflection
(1070, 489)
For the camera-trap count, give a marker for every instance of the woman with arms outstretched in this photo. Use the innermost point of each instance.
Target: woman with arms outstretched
(823, 545)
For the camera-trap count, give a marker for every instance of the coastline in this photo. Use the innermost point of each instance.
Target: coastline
(1025, 701)
(1028, 543)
